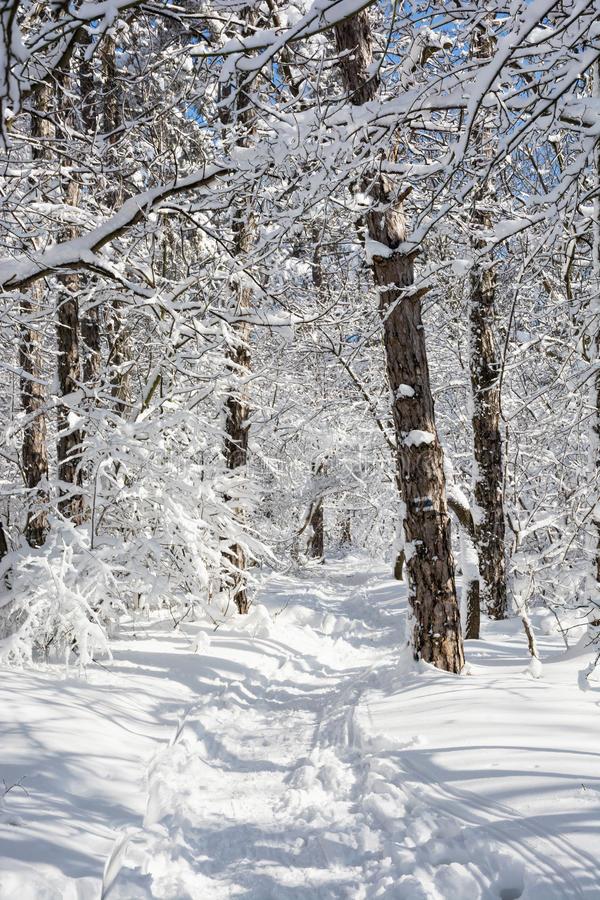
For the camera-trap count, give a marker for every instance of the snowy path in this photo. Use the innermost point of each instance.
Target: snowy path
(299, 754)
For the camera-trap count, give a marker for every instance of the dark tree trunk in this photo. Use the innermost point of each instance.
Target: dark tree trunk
(239, 361)
(316, 523)
(484, 371)
(436, 632)
(90, 336)
(90, 317)
(316, 544)
(473, 605)
(119, 353)
(69, 439)
(3, 542)
(34, 451)
(594, 395)
(399, 566)
(237, 408)
(346, 537)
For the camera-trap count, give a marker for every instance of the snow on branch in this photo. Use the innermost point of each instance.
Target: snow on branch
(322, 16)
(79, 252)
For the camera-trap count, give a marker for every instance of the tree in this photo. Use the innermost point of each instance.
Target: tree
(485, 370)
(436, 634)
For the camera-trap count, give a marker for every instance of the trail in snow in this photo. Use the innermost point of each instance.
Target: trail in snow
(298, 753)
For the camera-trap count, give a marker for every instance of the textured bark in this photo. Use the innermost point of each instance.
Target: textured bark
(473, 623)
(484, 370)
(316, 521)
(3, 542)
(239, 361)
(237, 408)
(90, 336)
(69, 439)
(594, 395)
(399, 566)
(346, 537)
(316, 541)
(436, 632)
(119, 354)
(90, 319)
(34, 450)
(316, 544)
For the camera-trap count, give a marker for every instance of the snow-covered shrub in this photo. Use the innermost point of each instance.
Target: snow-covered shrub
(57, 599)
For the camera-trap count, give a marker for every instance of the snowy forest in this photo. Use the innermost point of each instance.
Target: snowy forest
(300, 449)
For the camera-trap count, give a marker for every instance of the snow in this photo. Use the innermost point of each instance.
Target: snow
(461, 267)
(375, 249)
(417, 437)
(19, 271)
(301, 753)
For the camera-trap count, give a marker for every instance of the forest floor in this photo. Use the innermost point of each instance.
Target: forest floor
(300, 753)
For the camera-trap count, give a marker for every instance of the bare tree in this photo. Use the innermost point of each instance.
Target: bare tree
(34, 448)
(436, 636)
(484, 368)
(70, 438)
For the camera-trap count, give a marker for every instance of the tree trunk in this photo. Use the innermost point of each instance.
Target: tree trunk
(399, 566)
(69, 439)
(436, 634)
(346, 536)
(316, 524)
(118, 339)
(593, 586)
(90, 336)
(237, 408)
(90, 318)
(239, 361)
(484, 370)
(316, 544)
(473, 605)
(471, 592)
(34, 451)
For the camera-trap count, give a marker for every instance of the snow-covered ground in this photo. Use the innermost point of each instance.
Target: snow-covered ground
(299, 753)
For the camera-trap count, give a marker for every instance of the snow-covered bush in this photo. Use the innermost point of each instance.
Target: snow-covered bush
(58, 598)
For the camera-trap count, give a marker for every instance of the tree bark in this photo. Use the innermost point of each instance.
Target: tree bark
(473, 604)
(69, 438)
(399, 566)
(34, 450)
(346, 536)
(316, 545)
(237, 410)
(316, 542)
(90, 318)
(116, 331)
(237, 406)
(488, 481)
(436, 633)
(593, 579)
